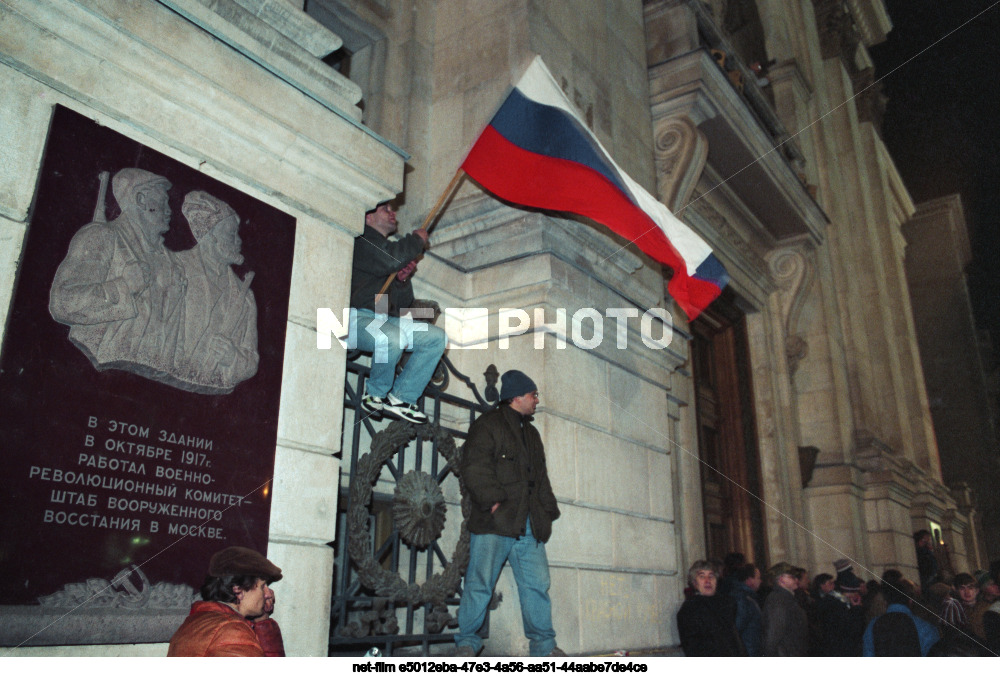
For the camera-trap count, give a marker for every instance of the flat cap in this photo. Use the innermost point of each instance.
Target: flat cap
(779, 569)
(242, 561)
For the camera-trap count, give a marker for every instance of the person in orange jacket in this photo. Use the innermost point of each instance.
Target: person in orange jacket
(267, 629)
(235, 590)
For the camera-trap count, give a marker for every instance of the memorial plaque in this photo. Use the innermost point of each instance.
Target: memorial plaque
(140, 379)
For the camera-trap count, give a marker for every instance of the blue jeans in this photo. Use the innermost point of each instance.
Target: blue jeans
(386, 338)
(487, 555)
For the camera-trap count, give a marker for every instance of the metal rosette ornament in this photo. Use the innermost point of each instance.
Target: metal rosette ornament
(419, 514)
(418, 509)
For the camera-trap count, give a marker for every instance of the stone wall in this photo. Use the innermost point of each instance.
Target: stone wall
(224, 91)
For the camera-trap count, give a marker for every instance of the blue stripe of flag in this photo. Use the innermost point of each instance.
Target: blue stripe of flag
(552, 132)
(712, 270)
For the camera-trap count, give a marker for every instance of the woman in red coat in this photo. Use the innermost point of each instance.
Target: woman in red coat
(267, 630)
(234, 590)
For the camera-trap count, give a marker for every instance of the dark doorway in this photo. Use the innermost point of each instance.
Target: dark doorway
(727, 436)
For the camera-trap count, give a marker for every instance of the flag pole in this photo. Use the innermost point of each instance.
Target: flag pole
(431, 216)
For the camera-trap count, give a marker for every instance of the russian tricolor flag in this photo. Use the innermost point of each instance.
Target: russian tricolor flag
(537, 152)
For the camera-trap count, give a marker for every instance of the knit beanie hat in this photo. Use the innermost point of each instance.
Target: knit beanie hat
(514, 384)
(847, 581)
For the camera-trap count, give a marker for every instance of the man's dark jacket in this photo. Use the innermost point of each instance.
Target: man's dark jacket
(749, 620)
(927, 565)
(841, 627)
(786, 627)
(375, 258)
(707, 627)
(504, 461)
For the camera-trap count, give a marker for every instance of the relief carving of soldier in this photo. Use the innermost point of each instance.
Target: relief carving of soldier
(119, 288)
(219, 345)
(181, 318)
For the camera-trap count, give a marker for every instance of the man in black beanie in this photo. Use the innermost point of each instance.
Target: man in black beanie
(513, 507)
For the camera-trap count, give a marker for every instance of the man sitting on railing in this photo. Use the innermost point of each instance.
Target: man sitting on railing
(375, 322)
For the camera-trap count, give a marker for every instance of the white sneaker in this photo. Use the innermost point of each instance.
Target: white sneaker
(373, 404)
(400, 408)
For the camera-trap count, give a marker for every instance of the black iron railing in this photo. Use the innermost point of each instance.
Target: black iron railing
(396, 585)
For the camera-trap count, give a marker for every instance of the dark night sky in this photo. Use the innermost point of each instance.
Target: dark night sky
(941, 123)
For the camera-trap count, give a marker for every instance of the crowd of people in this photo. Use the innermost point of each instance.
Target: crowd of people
(733, 608)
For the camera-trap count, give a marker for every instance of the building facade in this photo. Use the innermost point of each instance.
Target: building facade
(790, 421)
(962, 405)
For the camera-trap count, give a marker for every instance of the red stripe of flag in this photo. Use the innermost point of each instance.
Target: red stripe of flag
(560, 185)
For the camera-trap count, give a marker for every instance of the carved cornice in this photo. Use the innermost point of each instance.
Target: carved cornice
(880, 464)
(793, 272)
(872, 20)
(730, 235)
(874, 454)
(964, 496)
(791, 71)
(740, 147)
(680, 153)
(481, 224)
(289, 19)
(845, 29)
(838, 34)
(283, 39)
(870, 100)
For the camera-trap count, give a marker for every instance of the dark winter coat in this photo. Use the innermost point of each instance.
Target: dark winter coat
(786, 627)
(927, 564)
(840, 628)
(749, 621)
(991, 628)
(504, 461)
(375, 258)
(707, 627)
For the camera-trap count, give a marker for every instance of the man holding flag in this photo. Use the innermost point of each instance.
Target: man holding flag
(375, 322)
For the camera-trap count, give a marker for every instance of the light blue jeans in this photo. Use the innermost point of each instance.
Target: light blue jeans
(387, 338)
(487, 555)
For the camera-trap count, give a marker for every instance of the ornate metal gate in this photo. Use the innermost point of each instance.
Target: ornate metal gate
(394, 586)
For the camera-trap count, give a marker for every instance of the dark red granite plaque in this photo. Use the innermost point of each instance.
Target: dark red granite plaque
(118, 484)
